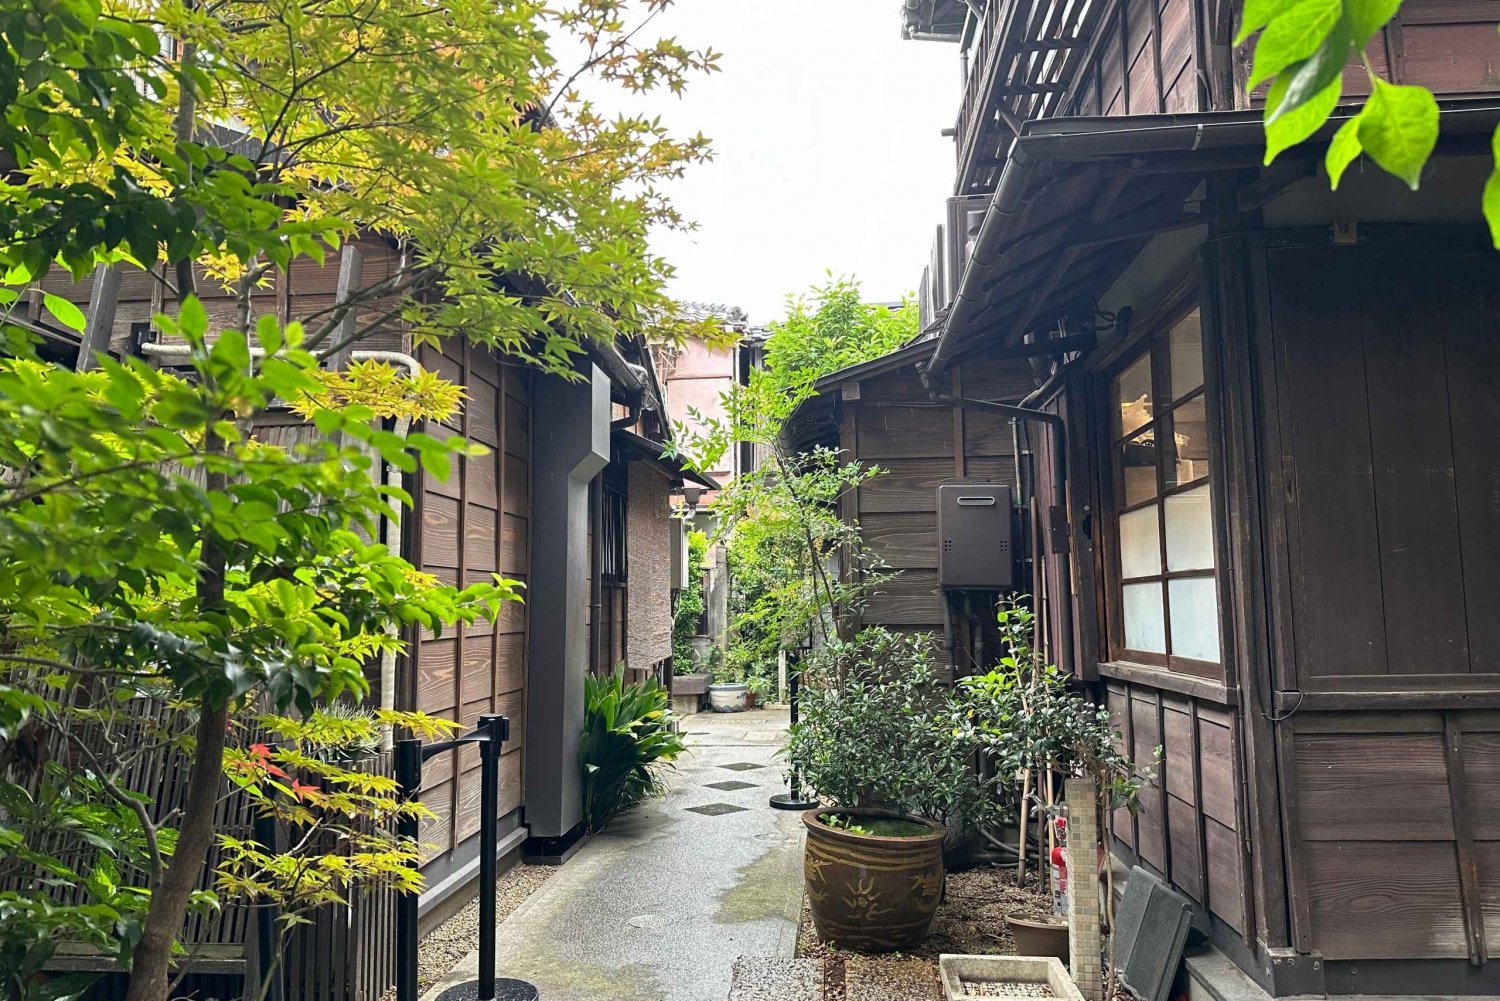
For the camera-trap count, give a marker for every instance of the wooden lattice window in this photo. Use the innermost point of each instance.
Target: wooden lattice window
(1165, 593)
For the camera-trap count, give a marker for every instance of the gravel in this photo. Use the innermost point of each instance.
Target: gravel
(772, 978)
(455, 938)
(970, 921)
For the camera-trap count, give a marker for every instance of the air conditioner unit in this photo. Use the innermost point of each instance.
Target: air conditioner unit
(924, 300)
(937, 276)
(965, 217)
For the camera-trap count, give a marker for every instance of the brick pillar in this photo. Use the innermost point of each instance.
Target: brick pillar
(1085, 945)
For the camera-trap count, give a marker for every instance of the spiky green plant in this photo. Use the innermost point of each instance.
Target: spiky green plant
(627, 741)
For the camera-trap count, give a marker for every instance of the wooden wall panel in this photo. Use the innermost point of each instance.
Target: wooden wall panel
(920, 447)
(1392, 521)
(1384, 900)
(466, 538)
(1387, 787)
(1195, 850)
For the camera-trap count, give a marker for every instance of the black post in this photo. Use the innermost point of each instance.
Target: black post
(265, 920)
(495, 730)
(409, 778)
(794, 799)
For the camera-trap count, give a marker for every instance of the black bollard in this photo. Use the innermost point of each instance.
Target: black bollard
(494, 732)
(795, 799)
(409, 780)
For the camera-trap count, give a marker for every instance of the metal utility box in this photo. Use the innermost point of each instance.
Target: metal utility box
(974, 525)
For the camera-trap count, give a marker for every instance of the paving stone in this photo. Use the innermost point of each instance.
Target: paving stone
(716, 809)
(742, 766)
(774, 978)
(731, 786)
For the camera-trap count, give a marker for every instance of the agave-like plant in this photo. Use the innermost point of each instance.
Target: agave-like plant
(627, 741)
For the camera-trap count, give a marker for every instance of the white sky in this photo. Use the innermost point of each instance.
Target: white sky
(827, 131)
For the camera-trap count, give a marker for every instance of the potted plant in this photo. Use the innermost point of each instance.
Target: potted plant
(877, 740)
(757, 686)
(727, 693)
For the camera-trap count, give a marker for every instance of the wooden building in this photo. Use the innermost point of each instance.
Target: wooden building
(1276, 553)
(484, 518)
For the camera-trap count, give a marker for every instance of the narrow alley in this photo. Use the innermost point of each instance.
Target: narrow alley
(665, 903)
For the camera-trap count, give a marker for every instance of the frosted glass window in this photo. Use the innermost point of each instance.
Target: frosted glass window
(1190, 530)
(1145, 625)
(1140, 543)
(1133, 397)
(1195, 618)
(1186, 353)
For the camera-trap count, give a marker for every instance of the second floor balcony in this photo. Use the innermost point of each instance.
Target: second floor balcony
(1030, 59)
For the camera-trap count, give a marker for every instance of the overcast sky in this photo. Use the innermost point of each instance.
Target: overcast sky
(829, 153)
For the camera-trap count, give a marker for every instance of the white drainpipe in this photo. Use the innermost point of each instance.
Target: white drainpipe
(392, 479)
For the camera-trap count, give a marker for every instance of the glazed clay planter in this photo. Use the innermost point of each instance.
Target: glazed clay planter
(729, 698)
(873, 894)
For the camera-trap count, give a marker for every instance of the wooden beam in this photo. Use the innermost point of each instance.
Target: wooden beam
(1463, 835)
(1273, 181)
(103, 300)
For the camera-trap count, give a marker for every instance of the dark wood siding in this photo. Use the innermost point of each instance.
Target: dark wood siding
(1187, 827)
(474, 524)
(919, 447)
(1391, 513)
(1384, 545)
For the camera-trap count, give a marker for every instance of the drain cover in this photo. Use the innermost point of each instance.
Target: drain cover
(742, 766)
(716, 809)
(731, 785)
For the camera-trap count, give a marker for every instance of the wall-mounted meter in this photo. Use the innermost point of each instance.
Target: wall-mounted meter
(974, 524)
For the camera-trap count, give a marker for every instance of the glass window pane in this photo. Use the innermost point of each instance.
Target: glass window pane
(1140, 543)
(1185, 435)
(1145, 625)
(1190, 530)
(1195, 618)
(1186, 355)
(1133, 396)
(1136, 460)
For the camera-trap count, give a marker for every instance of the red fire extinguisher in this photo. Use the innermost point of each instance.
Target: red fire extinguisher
(1060, 869)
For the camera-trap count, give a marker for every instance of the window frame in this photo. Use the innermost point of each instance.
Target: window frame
(1153, 340)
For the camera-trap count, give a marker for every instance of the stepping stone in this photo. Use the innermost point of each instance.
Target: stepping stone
(730, 786)
(716, 809)
(887, 978)
(742, 766)
(772, 978)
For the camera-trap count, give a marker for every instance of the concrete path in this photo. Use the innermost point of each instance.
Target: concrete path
(660, 906)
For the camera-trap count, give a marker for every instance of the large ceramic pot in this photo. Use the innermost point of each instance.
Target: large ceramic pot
(874, 894)
(728, 698)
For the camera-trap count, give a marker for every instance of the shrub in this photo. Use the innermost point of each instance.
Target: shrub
(627, 741)
(878, 728)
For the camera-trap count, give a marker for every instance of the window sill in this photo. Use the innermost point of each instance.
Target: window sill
(1182, 684)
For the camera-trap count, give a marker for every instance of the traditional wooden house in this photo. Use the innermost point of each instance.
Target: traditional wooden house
(572, 500)
(1268, 514)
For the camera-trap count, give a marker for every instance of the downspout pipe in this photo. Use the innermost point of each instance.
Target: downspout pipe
(1058, 430)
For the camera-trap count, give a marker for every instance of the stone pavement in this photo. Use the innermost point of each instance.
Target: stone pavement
(660, 906)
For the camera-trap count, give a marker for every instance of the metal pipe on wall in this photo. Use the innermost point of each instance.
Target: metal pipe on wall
(1058, 468)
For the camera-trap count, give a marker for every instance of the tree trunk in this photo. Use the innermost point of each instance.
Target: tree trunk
(151, 965)
(150, 969)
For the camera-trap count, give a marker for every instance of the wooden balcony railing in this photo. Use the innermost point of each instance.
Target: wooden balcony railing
(1023, 64)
